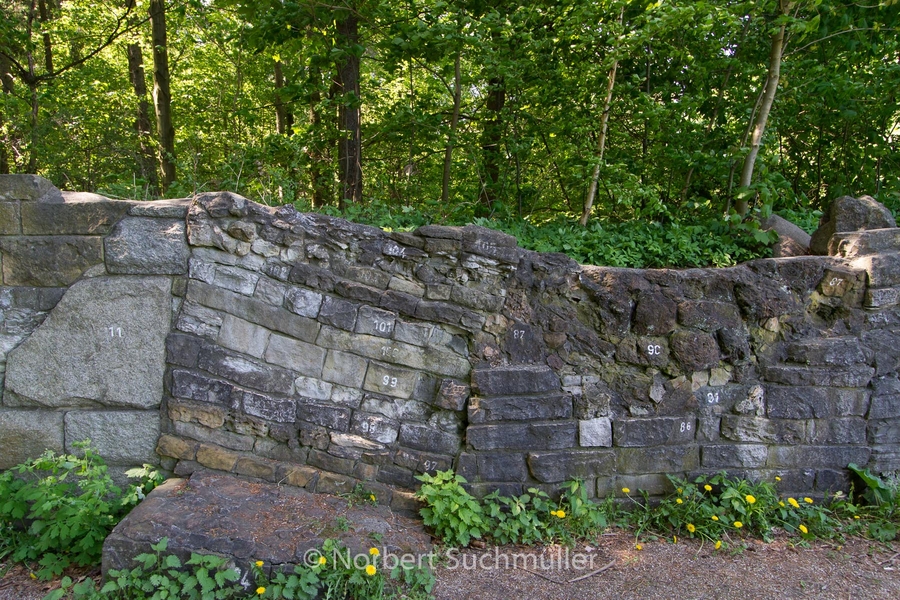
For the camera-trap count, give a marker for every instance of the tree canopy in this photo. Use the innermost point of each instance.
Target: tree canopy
(655, 110)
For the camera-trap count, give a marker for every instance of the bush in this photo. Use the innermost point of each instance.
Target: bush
(58, 509)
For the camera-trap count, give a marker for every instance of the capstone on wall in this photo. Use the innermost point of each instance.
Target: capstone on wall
(218, 333)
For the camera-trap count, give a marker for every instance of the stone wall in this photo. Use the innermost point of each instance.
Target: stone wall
(300, 348)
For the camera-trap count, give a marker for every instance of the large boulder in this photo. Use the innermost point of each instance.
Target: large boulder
(792, 241)
(850, 214)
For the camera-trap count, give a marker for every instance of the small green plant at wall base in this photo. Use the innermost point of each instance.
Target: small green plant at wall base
(451, 511)
(57, 509)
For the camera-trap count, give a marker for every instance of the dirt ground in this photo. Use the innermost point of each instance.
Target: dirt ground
(612, 567)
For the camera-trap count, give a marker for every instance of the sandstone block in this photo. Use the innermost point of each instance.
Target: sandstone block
(147, 247)
(26, 434)
(121, 437)
(48, 261)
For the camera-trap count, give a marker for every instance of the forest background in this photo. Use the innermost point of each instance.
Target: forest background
(627, 133)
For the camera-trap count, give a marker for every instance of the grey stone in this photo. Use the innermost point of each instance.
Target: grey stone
(87, 349)
(199, 320)
(849, 377)
(244, 336)
(374, 321)
(144, 246)
(10, 218)
(886, 398)
(270, 291)
(305, 359)
(396, 408)
(375, 427)
(595, 432)
(841, 352)
(183, 350)
(172, 208)
(270, 408)
(28, 188)
(199, 387)
(390, 381)
(310, 387)
(654, 314)
(816, 456)
(861, 243)
(520, 408)
(344, 368)
(850, 214)
(236, 279)
(246, 372)
(708, 316)
(523, 436)
(72, 217)
(695, 350)
(502, 467)
(305, 303)
(120, 437)
(26, 434)
(399, 302)
(792, 241)
(48, 261)
(412, 333)
(505, 381)
(339, 313)
(556, 467)
(452, 395)
(660, 459)
(734, 456)
(422, 437)
(787, 402)
(335, 418)
(654, 431)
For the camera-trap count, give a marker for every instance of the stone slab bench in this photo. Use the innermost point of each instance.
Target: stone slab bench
(249, 520)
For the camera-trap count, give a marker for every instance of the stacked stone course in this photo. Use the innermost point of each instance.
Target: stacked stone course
(222, 334)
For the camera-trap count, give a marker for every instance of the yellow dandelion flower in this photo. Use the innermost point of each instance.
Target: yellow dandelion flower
(691, 528)
(679, 501)
(707, 487)
(855, 516)
(738, 524)
(374, 551)
(803, 528)
(808, 500)
(638, 547)
(718, 544)
(372, 497)
(625, 490)
(674, 539)
(750, 498)
(260, 591)
(715, 518)
(777, 478)
(322, 560)
(259, 563)
(561, 514)
(680, 490)
(781, 504)
(33, 576)
(370, 570)
(793, 503)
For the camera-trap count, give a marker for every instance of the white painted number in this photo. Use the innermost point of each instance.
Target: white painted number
(685, 426)
(429, 465)
(389, 381)
(835, 280)
(382, 326)
(654, 349)
(518, 334)
(390, 352)
(712, 398)
(115, 332)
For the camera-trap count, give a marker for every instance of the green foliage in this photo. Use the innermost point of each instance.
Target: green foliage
(882, 498)
(58, 509)
(451, 511)
(520, 520)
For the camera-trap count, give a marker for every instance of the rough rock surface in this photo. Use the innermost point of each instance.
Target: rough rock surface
(850, 214)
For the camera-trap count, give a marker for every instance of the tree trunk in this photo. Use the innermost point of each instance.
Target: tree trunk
(5, 142)
(454, 123)
(162, 98)
(601, 139)
(768, 98)
(142, 121)
(492, 141)
(284, 120)
(350, 145)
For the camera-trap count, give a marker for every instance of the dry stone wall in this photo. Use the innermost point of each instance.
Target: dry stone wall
(222, 334)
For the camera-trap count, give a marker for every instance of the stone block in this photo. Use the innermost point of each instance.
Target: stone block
(196, 412)
(28, 188)
(120, 437)
(243, 336)
(374, 321)
(841, 431)
(235, 279)
(183, 350)
(846, 377)
(556, 467)
(498, 466)
(476, 300)
(217, 437)
(334, 464)
(375, 427)
(344, 368)
(196, 386)
(86, 350)
(175, 447)
(270, 408)
(595, 433)
(422, 437)
(523, 436)
(142, 246)
(722, 456)
(246, 372)
(882, 270)
(817, 456)
(271, 317)
(840, 352)
(506, 381)
(695, 350)
(335, 418)
(520, 408)
(401, 284)
(884, 431)
(390, 381)
(300, 357)
(789, 402)
(399, 302)
(26, 434)
(270, 291)
(654, 314)
(861, 243)
(216, 458)
(303, 302)
(886, 398)
(10, 218)
(396, 408)
(312, 388)
(176, 208)
(656, 431)
(452, 395)
(708, 316)
(48, 261)
(659, 459)
(881, 297)
(339, 313)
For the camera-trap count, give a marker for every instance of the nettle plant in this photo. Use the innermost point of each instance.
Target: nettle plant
(56, 510)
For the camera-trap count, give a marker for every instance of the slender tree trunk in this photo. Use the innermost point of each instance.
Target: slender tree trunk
(492, 141)
(317, 158)
(142, 120)
(768, 98)
(5, 143)
(454, 123)
(284, 120)
(350, 144)
(48, 44)
(162, 98)
(601, 140)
